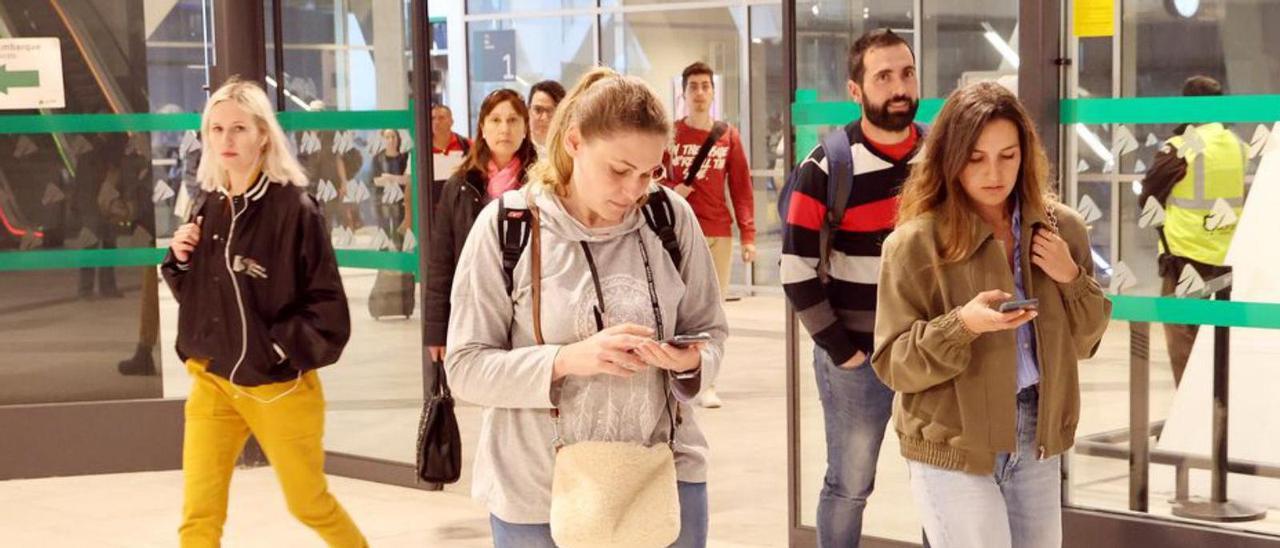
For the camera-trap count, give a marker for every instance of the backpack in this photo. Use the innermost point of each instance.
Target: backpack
(515, 224)
(839, 154)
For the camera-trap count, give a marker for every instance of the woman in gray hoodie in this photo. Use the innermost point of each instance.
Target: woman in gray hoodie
(609, 293)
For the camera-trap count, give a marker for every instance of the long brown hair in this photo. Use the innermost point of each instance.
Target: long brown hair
(479, 156)
(934, 185)
(601, 104)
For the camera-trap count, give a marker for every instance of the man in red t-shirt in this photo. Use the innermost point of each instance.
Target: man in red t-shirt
(723, 166)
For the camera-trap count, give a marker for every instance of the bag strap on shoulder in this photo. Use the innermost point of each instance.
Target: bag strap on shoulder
(717, 130)
(514, 229)
(660, 215)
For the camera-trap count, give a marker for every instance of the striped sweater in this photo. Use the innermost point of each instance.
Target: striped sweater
(840, 313)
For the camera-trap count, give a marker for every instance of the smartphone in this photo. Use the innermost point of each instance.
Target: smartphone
(685, 341)
(1022, 304)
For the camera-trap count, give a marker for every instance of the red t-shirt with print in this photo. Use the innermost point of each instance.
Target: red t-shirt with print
(724, 169)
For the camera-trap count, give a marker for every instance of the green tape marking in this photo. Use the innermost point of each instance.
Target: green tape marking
(80, 258)
(1195, 311)
(378, 260)
(1171, 110)
(97, 123)
(346, 120)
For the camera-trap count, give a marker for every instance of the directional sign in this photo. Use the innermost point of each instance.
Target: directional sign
(31, 74)
(494, 56)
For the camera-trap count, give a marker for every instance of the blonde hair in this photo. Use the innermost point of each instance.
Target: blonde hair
(277, 161)
(934, 184)
(601, 104)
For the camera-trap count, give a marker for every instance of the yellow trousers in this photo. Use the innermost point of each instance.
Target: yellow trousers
(722, 257)
(219, 420)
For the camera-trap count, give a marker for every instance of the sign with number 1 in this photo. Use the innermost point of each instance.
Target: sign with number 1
(495, 56)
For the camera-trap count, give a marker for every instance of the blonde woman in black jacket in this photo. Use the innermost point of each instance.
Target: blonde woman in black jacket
(260, 307)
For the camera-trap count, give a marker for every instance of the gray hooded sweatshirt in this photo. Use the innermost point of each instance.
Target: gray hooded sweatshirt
(493, 360)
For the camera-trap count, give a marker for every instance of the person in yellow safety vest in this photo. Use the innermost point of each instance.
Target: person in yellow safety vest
(1198, 177)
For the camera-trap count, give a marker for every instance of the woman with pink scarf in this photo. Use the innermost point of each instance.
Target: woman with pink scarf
(496, 163)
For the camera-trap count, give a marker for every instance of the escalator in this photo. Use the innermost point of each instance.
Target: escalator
(38, 171)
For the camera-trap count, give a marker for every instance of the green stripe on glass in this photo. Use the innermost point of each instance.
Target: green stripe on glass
(97, 123)
(116, 123)
(1171, 110)
(378, 260)
(345, 120)
(1195, 311)
(80, 258)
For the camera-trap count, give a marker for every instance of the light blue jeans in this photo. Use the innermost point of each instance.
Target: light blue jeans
(1017, 506)
(856, 407)
(693, 524)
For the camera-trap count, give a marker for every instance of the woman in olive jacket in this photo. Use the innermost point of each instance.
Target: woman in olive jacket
(495, 164)
(988, 400)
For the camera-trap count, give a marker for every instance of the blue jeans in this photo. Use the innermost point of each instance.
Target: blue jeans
(693, 524)
(856, 408)
(1019, 505)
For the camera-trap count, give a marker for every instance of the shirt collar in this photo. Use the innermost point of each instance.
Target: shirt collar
(982, 231)
(255, 191)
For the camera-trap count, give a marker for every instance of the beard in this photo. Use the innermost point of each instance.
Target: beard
(881, 117)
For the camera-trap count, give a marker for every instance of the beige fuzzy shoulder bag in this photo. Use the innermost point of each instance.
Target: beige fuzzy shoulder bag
(616, 494)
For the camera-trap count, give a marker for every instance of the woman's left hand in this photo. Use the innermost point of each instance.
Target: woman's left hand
(665, 356)
(1050, 252)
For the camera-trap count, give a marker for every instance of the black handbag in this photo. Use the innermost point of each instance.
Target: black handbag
(439, 444)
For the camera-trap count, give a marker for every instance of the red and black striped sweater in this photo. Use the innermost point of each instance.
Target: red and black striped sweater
(840, 314)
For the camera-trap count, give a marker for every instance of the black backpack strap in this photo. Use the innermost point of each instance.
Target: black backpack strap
(660, 215)
(717, 130)
(514, 226)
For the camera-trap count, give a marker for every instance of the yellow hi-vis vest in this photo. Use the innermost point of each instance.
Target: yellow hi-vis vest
(1216, 172)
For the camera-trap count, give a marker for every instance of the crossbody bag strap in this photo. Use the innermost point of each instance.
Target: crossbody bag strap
(717, 131)
(536, 282)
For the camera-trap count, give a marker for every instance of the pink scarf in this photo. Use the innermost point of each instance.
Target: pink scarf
(505, 178)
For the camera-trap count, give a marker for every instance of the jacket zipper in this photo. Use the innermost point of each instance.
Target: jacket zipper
(244, 324)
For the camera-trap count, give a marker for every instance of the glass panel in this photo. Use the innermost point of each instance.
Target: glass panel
(518, 53)
(1156, 48)
(962, 41)
(342, 56)
(824, 32)
(657, 46)
(346, 56)
(768, 81)
(102, 200)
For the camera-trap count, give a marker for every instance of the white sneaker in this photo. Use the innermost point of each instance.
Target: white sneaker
(709, 399)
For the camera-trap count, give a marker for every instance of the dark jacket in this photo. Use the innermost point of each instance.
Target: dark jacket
(461, 199)
(278, 285)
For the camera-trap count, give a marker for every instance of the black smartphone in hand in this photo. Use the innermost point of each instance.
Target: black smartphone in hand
(1018, 304)
(685, 341)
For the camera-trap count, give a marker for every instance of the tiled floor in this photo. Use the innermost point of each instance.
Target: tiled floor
(375, 397)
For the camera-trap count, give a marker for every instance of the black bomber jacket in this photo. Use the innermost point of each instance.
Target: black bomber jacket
(261, 294)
